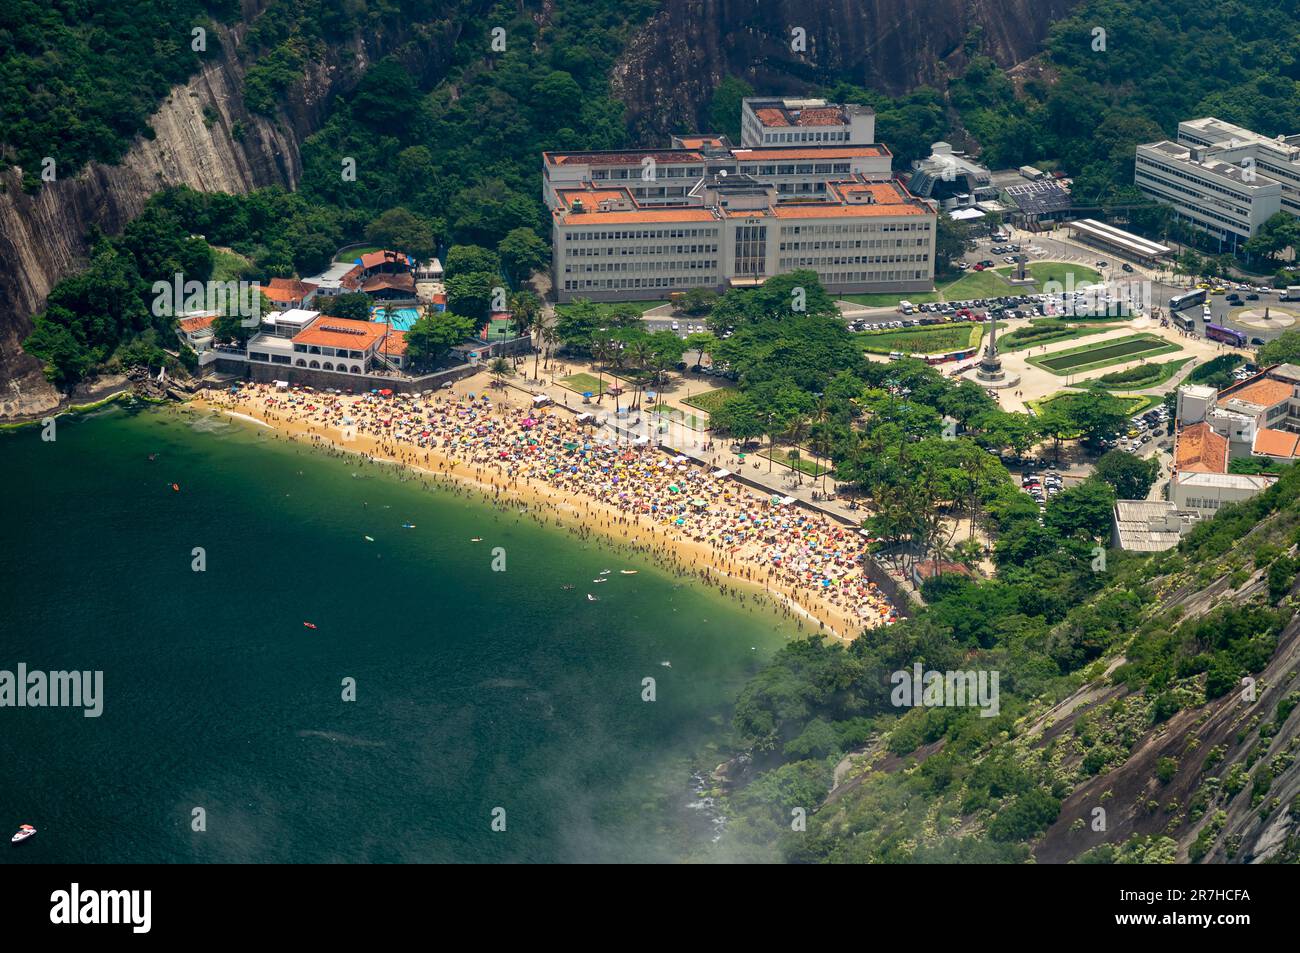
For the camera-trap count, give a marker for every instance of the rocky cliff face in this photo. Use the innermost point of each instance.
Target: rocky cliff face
(673, 65)
(42, 236)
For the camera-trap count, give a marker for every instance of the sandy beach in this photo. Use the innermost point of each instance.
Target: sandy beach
(475, 446)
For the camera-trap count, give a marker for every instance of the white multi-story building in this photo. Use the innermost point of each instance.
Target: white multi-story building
(783, 121)
(670, 176)
(639, 224)
(1277, 159)
(1222, 178)
(862, 236)
(1256, 418)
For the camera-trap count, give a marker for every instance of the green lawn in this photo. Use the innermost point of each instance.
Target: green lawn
(710, 400)
(1137, 403)
(1059, 271)
(805, 462)
(978, 284)
(1059, 331)
(891, 299)
(1141, 377)
(1087, 357)
(581, 383)
(673, 413)
(357, 252)
(936, 339)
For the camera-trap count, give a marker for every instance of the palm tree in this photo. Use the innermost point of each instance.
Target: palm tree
(822, 416)
(602, 350)
(796, 430)
(638, 359)
(772, 430)
(550, 337)
(500, 369)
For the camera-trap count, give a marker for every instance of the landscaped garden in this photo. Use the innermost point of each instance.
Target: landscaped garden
(1088, 357)
(1140, 377)
(583, 383)
(1068, 274)
(710, 400)
(937, 339)
(1047, 331)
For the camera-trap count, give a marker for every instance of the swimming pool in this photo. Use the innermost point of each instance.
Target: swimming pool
(402, 318)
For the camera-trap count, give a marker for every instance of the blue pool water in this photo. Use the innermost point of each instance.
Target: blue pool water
(402, 318)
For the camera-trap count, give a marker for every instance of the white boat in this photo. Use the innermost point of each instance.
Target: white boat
(591, 598)
(24, 831)
(629, 572)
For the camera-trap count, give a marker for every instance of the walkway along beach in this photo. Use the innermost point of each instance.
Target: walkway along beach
(710, 528)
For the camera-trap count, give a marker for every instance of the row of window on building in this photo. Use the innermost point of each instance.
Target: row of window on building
(640, 251)
(640, 233)
(602, 266)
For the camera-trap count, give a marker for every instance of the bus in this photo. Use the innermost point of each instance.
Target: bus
(1217, 332)
(1183, 322)
(1179, 302)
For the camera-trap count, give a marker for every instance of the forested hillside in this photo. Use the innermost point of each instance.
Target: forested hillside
(1121, 690)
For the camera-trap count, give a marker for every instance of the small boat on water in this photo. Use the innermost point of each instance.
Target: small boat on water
(408, 526)
(24, 831)
(591, 598)
(666, 664)
(310, 625)
(476, 539)
(604, 572)
(598, 579)
(566, 588)
(629, 572)
(176, 487)
(370, 539)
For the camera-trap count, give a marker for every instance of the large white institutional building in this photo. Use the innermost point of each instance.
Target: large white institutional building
(1224, 179)
(806, 189)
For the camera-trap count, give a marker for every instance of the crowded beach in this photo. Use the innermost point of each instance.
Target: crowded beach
(810, 563)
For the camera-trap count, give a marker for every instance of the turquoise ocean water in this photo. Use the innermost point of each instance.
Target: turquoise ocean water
(475, 690)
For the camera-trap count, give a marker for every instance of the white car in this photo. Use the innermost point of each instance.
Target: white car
(676, 327)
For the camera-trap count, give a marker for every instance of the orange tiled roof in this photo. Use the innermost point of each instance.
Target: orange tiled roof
(1276, 443)
(287, 289)
(376, 258)
(1201, 449)
(590, 198)
(821, 116)
(698, 142)
(402, 281)
(819, 210)
(1265, 393)
(340, 332)
(772, 117)
(198, 323)
(638, 217)
(395, 343)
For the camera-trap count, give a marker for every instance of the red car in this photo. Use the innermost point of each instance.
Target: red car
(978, 267)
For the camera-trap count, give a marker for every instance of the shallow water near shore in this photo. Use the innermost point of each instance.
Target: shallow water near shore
(475, 689)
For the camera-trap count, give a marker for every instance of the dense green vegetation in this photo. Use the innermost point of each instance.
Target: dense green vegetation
(965, 788)
(78, 81)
